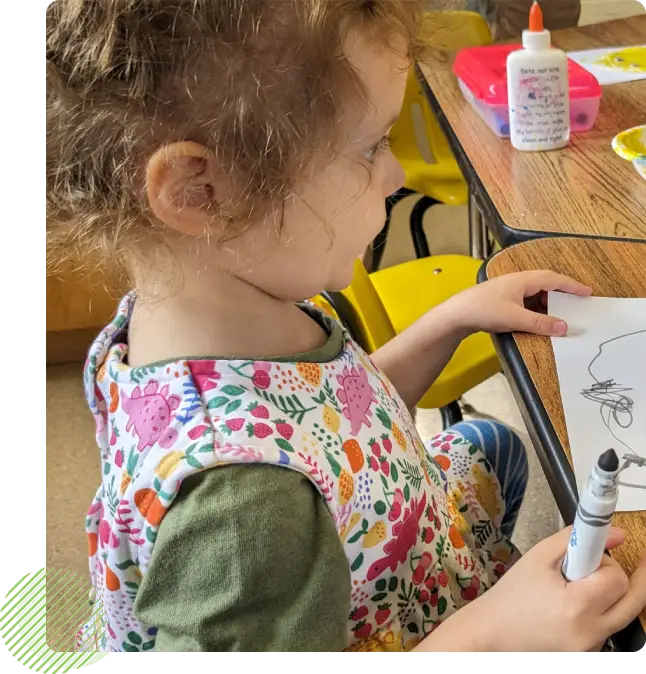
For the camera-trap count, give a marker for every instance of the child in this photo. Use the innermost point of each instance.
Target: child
(264, 487)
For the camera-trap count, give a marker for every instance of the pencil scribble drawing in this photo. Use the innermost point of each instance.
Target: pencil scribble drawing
(601, 367)
(616, 406)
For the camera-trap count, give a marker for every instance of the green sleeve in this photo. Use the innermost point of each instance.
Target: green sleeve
(247, 559)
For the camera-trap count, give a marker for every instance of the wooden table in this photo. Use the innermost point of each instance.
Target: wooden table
(612, 269)
(585, 189)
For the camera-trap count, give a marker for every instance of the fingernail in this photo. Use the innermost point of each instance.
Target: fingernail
(560, 329)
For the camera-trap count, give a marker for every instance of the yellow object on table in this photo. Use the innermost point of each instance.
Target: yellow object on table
(595, 195)
(631, 146)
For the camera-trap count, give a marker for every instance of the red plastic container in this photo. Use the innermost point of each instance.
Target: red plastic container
(482, 76)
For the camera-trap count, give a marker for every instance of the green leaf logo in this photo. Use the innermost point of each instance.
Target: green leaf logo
(40, 617)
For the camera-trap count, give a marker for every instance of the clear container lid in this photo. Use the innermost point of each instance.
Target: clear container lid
(484, 71)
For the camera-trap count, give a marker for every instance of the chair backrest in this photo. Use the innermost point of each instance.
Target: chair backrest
(416, 134)
(370, 313)
(324, 304)
(360, 310)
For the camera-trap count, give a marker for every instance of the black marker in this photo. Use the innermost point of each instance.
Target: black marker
(593, 519)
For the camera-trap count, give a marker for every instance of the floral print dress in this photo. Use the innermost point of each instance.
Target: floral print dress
(421, 533)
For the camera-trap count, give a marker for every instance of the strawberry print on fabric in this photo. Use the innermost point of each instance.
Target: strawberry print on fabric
(420, 532)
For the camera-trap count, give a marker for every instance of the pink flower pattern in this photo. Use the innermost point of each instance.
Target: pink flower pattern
(388, 502)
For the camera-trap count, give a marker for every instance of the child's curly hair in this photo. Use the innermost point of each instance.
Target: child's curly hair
(258, 82)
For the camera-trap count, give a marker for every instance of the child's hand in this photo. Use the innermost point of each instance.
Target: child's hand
(533, 608)
(500, 305)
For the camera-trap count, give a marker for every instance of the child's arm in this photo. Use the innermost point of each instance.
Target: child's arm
(413, 360)
(247, 558)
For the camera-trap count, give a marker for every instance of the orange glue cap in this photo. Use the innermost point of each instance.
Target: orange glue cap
(536, 38)
(536, 18)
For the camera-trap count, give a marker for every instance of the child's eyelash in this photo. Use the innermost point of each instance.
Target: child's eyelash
(382, 144)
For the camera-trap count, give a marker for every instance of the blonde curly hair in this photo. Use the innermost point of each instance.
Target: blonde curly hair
(258, 82)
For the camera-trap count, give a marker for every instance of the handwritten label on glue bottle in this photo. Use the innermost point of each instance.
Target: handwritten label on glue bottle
(540, 109)
(538, 90)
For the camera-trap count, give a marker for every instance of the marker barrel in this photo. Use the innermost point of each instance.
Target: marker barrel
(591, 525)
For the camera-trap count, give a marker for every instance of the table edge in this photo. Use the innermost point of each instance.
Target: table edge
(504, 234)
(548, 447)
(558, 471)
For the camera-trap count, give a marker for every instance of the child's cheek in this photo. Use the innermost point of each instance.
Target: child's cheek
(394, 176)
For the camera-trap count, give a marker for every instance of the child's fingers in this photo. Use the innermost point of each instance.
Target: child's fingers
(555, 547)
(605, 587)
(537, 281)
(615, 538)
(525, 320)
(552, 550)
(631, 604)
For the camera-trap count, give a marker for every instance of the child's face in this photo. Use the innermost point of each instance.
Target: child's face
(334, 212)
(340, 208)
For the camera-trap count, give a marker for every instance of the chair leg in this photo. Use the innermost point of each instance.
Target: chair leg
(379, 244)
(478, 240)
(451, 414)
(416, 226)
(491, 244)
(396, 197)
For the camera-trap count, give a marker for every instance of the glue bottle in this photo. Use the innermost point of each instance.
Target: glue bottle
(538, 88)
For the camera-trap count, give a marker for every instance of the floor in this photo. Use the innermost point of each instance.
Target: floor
(73, 470)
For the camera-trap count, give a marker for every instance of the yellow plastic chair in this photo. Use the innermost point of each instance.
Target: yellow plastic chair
(417, 140)
(378, 306)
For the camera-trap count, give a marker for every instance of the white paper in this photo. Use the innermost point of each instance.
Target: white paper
(614, 64)
(601, 367)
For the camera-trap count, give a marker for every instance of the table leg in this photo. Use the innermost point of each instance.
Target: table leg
(478, 244)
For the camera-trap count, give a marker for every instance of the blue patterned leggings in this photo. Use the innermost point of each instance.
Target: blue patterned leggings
(507, 456)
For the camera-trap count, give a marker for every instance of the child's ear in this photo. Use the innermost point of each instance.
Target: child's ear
(181, 187)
